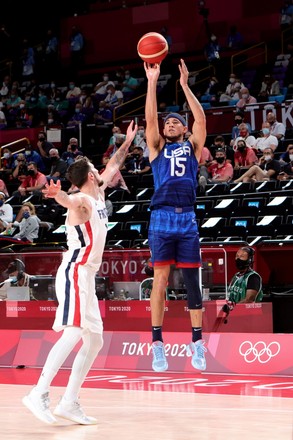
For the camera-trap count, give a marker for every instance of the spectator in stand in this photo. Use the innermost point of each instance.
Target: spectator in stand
(138, 164)
(266, 139)
(28, 226)
(284, 158)
(6, 86)
(61, 105)
(219, 143)
(58, 166)
(212, 51)
(211, 94)
(114, 97)
(15, 276)
(277, 129)
(72, 151)
(267, 169)
(6, 212)
(129, 85)
(113, 147)
(33, 183)
(269, 87)
(244, 134)
(51, 53)
(43, 145)
(239, 118)
(19, 169)
(6, 164)
(32, 156)
(219, 171)
(12, 107)
(104, 115)
(244, 158)
(28, 60)
(245, 98)
(3, 122)
(79, 117)
(74, 91)
(287, 166)
(100, 89)
(286, 15)
(24, 115)
(140, 140)
(234, 39)
(232, 89)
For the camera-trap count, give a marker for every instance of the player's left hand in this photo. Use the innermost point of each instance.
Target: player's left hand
(53, 189)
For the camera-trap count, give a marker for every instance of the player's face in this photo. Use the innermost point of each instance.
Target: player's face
(174, 130)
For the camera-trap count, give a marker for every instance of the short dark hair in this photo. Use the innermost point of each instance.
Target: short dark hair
(77, 172)
(219, 139)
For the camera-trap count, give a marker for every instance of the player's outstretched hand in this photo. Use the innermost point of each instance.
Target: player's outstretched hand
(51, 191)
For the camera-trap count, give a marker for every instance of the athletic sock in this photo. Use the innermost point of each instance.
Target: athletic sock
(196, 334)
(157, 333)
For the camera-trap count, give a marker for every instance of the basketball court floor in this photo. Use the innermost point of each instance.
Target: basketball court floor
(132, 405)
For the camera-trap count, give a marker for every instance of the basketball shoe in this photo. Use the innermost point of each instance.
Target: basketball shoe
(197, 350)
(159, 358)
(38, 404)
(73, 411)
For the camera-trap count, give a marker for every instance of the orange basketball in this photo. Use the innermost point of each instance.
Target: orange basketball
(152, 48)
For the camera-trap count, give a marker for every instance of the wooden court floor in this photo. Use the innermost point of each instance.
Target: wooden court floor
(151, 406)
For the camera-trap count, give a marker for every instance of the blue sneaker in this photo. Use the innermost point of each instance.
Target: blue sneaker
(197, 351)
(159, 358)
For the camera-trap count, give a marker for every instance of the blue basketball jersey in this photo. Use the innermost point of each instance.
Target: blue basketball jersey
(175, 175)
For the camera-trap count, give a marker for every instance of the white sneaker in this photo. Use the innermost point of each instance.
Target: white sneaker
(197, 350)
(38, 404)
(159, 357)
(72, 411)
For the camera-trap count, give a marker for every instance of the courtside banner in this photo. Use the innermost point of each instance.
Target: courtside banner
(236, 353)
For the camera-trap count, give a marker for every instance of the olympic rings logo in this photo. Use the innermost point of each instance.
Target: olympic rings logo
(259, 351)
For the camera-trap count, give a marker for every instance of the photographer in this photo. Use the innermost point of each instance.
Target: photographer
(16, 277)
(246, 284)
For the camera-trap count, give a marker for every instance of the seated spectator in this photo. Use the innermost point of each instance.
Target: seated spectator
(28, 226)
(277, 129)
(285, 157)
(286, 15)
(118, 141)
(232, 89)
(6, 212)
(138, 163)
(58, 166)
(239, 118)
(114, 97)
(129, 85)
(244, 157)
(44, 146)
(72, 151)
(267, 169)
(32, 156)
(104, 115)
(219, 143)
(287, 167)
(269, 87)
(245, 98)
(19, 169)
(79, 117)
(74, 91)
(101, 88)
(244, 135)
(33, 183)
(219, 171)
(6, 164)
(24, 115)
(266, 140)
(3, 122)
(211, 94)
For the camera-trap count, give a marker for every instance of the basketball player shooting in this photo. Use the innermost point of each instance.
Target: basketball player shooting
(173, 232)
(78, 314)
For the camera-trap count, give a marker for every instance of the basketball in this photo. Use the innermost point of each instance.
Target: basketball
(152, 48)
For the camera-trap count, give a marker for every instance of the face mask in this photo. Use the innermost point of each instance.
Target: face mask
(53, 159)
(109, 92)
(136, 156)
(71, 86)
(41, 139)
(242, 133)
(267, 158)
(241, 264)
(220, 159)
(77, 110)
(244, 95)
(127, 76)
(1, 202)
(13, 279)
(28, 152)
(21, 106)
(57, 99)
(52, 85)
(232, 80)
(266, 131)
(291, 157)
(31, 173)
(106, 78)
(241, 148)
(50, 121)
(213, 38)
(33, 99)
(6, 155)
(73, 147)
(238, 121)
(26, 214)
